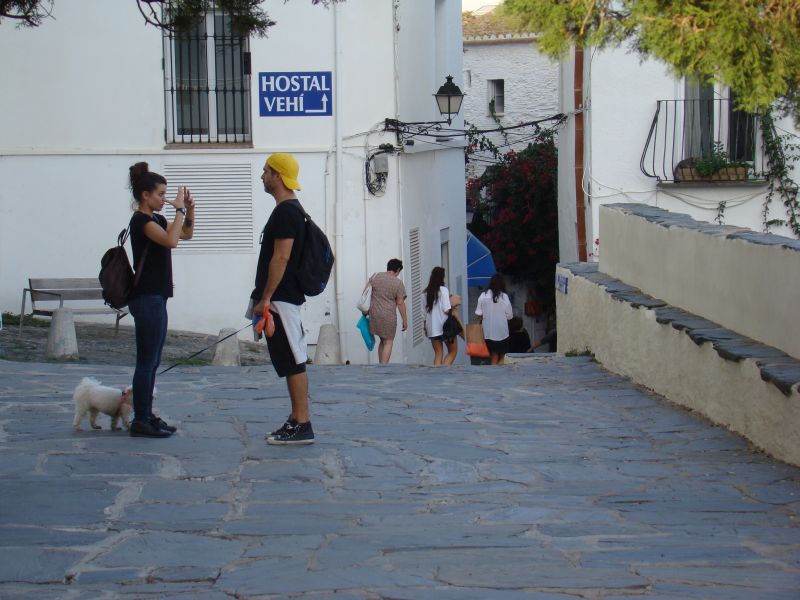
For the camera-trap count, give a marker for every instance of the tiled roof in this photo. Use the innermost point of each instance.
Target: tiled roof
(490, 25)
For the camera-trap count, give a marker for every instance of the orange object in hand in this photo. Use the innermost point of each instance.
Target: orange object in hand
(266, 324)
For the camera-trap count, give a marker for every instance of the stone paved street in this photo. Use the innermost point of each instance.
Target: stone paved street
(548, 479)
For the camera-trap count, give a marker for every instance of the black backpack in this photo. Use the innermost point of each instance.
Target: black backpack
(316, 259)
(116, 275)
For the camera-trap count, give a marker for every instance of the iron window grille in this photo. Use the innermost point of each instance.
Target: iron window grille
(695, 128)
(207, 83)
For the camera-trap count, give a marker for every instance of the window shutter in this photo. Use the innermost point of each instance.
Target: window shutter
(224, 195)
(417, 308)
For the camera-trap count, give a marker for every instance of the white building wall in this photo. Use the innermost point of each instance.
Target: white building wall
(78, 110)
(88, 80)
(530, 81)
(620, 94)
(416, 61)
(434, 205)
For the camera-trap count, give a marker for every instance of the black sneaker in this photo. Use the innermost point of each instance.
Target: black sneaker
(147, 429)
(161, 424)
(297, 434)
(290, 422)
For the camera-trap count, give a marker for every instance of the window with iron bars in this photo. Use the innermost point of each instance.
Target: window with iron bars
(207, 83)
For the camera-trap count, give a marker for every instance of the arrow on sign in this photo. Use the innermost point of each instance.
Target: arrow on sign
(324, 108)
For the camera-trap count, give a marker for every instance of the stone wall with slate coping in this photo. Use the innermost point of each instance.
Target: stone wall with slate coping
(748, 387)
(746, 281)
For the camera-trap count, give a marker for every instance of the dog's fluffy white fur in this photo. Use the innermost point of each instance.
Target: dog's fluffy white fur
(93, 397)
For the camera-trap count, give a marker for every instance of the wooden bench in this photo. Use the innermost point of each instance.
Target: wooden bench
(58, 290)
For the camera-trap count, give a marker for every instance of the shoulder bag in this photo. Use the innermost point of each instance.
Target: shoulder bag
(366, 297)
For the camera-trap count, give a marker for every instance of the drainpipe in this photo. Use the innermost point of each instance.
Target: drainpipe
(339, 193)
(580, 204)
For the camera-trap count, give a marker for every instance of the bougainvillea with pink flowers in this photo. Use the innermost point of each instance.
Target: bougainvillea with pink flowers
(516, 214)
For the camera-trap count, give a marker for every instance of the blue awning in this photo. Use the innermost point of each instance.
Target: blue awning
(480, 264)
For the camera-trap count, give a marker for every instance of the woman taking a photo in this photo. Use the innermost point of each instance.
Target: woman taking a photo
(494, 308)
(152, 237)
(388, 297)
(436, 299)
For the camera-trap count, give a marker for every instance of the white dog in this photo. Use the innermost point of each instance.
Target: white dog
(95, 398)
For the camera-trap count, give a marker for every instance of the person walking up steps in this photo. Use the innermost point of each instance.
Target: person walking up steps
(277, 288)
(494, 308)
(388, 298)
(436, 300)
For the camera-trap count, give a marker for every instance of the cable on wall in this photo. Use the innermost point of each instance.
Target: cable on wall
(376, 169)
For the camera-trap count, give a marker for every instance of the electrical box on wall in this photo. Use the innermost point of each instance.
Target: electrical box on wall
(381, 164)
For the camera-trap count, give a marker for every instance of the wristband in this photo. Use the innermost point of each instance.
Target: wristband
(181, 210)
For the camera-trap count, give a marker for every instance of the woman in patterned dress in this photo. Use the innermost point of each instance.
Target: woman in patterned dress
(388, 297)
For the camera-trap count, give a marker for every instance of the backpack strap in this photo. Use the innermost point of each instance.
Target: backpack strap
(307, 220)
(121, 239)
(139, 266)
(299, 207)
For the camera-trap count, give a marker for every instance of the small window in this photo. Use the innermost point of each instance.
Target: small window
(497, 96)
(207, 83)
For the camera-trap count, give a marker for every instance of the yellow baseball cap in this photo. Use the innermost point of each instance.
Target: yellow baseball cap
(286, 166)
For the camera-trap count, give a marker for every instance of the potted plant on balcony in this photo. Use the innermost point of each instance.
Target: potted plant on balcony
(714, 166)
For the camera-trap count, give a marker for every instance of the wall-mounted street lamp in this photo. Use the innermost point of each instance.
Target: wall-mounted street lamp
(448, 99)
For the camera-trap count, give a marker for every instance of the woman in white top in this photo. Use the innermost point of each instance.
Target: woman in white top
(436, 299)
(494, 308)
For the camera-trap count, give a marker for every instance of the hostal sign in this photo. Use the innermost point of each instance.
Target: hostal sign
(304, 94)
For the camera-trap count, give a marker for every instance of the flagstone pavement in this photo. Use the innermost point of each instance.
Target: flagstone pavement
(550, 478)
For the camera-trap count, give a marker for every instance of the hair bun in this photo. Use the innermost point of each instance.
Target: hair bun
(139, 169)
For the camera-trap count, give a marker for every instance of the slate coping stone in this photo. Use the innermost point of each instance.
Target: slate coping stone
(671, 219)
(777, 367)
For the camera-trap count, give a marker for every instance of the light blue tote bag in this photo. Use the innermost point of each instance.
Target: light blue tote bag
(363, 327)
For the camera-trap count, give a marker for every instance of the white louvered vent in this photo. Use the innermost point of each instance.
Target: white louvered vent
(224, 196)
(417, 309)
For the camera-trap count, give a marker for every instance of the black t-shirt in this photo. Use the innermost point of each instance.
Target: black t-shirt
(156, 275)
(285, 222)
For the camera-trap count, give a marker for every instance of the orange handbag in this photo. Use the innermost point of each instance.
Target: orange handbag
(476, 345)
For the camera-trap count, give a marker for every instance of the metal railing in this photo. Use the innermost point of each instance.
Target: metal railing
(207, 83)
(703, 140)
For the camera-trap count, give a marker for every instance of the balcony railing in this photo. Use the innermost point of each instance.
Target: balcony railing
(689, 138)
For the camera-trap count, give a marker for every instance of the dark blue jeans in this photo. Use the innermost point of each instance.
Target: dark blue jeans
(150, 317)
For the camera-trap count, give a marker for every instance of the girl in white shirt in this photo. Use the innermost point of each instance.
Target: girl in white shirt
(494, 308)
(436, 300)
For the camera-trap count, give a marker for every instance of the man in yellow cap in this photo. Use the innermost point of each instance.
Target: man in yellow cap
(276, 288)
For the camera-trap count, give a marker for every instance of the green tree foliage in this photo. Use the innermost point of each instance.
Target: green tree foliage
(247, 16)
(516, 214)
(751, 46)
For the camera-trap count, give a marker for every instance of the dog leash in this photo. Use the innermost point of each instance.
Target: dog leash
(183, 360)
(264, 325)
